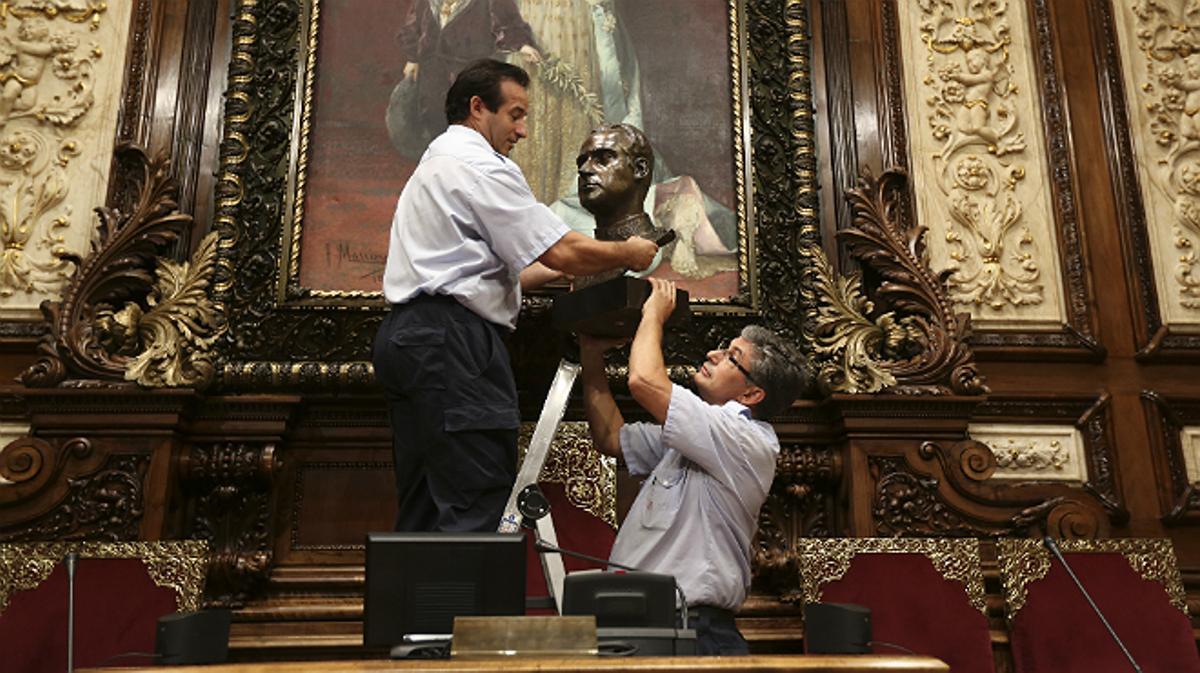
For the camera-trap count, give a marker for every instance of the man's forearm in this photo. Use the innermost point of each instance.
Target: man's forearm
(604, 418)
(648, 380)
(579, 255)
(536, 275)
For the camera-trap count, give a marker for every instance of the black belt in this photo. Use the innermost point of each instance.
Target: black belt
(422, 297)
(710, 612)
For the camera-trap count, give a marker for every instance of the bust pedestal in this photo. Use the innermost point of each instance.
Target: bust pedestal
(612, 308)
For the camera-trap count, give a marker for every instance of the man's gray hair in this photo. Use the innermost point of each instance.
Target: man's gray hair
(777, 367)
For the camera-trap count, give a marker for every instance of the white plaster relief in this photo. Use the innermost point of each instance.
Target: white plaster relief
(8, 433)
(61, 69)
(1034, 452)
(1159, 44)
(979, 161)
(1189, 438)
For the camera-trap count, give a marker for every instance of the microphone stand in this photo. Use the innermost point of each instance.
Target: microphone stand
(70, 561)
(543, 547)
(1050, 544)
(533, 505)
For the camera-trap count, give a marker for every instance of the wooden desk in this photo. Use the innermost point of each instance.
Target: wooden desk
(766, 664)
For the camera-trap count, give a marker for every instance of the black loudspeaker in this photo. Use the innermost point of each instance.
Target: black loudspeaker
(837, 628)
(193, 637)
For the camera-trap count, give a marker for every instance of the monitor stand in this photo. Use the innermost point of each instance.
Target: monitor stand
(423, 646)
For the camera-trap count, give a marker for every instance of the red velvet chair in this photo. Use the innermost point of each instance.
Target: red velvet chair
(1134, 582)
(121, 589)
(925, 595)
(580, 485)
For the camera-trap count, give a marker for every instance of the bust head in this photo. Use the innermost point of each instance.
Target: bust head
(616, 167)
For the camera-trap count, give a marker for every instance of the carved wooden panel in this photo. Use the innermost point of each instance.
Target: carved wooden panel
(1179, 493)
(62, 67)
(976, 108)
(1145, 55)
(336, 503)
(1088, 417)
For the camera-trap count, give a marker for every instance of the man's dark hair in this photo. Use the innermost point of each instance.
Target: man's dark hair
(778, 368)
(481, 78)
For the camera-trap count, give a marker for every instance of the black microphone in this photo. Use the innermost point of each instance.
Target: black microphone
(1049, 543)
(533, 505)
(70, 562)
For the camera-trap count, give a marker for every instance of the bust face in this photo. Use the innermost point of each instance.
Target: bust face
(607, 176)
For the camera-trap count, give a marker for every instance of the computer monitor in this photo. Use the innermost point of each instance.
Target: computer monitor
(622, 599)
(417, 583)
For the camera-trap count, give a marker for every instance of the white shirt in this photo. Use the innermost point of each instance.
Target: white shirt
(710, 468)
(465, 226)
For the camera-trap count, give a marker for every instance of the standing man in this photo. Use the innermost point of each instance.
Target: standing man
(710, 459)
(466, 237)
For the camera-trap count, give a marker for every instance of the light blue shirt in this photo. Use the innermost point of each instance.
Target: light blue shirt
(710, 468)
(465, 226)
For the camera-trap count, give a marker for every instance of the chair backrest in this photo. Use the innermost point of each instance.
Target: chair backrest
(925, 595)
(1134, 582)
(121, 589)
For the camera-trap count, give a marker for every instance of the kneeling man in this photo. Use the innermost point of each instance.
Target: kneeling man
(710, 457)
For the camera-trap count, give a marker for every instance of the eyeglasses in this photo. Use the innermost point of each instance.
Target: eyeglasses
(727, 353)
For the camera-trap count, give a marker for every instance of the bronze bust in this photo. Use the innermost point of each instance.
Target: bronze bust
(616, 170)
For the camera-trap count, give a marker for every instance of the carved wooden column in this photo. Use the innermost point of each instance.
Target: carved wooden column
(228, 478)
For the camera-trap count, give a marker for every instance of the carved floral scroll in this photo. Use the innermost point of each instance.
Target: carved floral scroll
(978, 159)
(1160, 60)
(61, 70)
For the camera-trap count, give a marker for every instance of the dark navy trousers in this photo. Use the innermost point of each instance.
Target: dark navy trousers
(452, 404)
(716, 632)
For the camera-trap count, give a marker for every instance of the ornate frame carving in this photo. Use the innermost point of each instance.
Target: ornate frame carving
(827, 560)
(1025, 561)
(1167, 417)
(178, 564)
(300, 342)
(1077, 340)
(71, 489)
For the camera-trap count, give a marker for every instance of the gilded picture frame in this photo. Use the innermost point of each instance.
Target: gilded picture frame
(284, 332)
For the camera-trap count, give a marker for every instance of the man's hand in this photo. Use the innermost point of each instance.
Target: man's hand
(640, 253)
(411, 70)
(661, 302)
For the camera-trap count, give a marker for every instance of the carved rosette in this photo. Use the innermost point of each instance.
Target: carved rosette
(800, 504)
(178, 565)
(908, 339)
(232, 484)
(127, 315)
(1023, 562)
(589, 478)
(828, 560)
